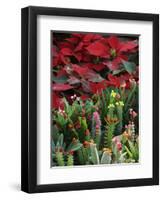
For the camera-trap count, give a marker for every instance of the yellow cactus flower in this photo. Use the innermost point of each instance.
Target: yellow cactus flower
(117, 103)
(121, 103)
(113, 94)
(111, 105)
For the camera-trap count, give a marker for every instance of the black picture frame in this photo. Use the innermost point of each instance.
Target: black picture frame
(29, 99)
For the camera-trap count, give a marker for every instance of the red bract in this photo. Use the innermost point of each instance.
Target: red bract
(61, 57)
(85, 38)
(97, 67)
(57, 102)
(98, 48)
(90, 37)
(98, 87)
(61, 87)
(87, 73)
(115, 63)
(66, 52)
(84, 97)
(121, 46)
(120, 81)
(79, 42)
(114, 81)
(128, 46)
(80, 70)
(61, 72)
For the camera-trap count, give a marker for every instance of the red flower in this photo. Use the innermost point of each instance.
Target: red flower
(98, 48)
(80, 70)
(118, 50)
(114, 81)
(61, 87)
(79, 43)
(84, 97)
(61, 57)
(113, 49)
(119, 146)
(98, 87)
(117, 142)
(97, 67)
(120, 81)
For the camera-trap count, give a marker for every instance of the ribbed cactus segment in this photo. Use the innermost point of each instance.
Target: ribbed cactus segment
(60, 159)
(82, 156)
(98, 137)
(109, 135)
(120, 118)
(93, 128)
(70, 160)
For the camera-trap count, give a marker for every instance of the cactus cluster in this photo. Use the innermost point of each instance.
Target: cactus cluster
(100, 130)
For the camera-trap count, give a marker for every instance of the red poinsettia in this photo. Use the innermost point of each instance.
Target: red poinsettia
(113, 49)
(118, 50)
(82, 62)
(61, 57)
(74, 46)
(99, 48)
(98, 87)
(120, 81)
(114, 81)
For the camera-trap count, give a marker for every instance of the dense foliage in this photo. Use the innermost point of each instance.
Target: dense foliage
(94, 99)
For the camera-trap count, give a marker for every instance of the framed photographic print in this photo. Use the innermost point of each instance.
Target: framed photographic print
(90, 99)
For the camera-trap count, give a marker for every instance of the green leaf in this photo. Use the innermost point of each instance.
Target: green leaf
(53, 146)
(106, 158)
(55, 133)
(60, 141)
(134, 150)
(94, 154)
(128, 151)
(60, 120)
(74, 146)
(129, 66)
(61, 79)
(115, 72)
(93, 77)
(122, 157)
(82, 155)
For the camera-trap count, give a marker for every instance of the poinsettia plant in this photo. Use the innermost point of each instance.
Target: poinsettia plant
(95, 80)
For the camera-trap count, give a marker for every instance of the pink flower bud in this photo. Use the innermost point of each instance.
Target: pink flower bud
(119, 146)
(134, 114)
(126, 126)
(97, 118)
(115, 140)
(97, 127)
